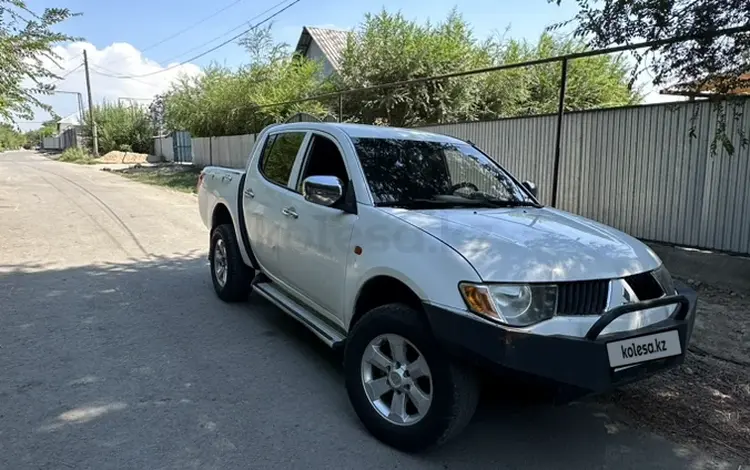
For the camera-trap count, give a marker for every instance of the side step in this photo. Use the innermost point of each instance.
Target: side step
(322, 330)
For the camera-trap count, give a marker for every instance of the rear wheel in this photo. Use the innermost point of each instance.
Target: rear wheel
(231, 277)
(405, 389)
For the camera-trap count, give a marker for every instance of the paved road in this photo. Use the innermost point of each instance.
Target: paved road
(115, 353)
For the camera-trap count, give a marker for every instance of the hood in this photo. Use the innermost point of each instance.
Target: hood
(534, 244)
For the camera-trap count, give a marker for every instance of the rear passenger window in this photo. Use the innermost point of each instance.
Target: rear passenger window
(279, 155)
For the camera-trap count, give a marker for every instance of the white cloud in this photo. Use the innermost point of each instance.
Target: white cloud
(116, 59)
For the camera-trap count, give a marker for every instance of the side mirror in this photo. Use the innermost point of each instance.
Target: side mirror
(323, 190)
(531, 187)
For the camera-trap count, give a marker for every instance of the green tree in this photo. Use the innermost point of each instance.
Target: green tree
(26, 40)
(10, 138)
(716, 61)
(48, 129)
(120, 125)
(592, 82)
(388, 48)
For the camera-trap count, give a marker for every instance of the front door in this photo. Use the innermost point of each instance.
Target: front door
(319, 236)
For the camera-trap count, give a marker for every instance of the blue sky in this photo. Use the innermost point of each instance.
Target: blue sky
(142, 23)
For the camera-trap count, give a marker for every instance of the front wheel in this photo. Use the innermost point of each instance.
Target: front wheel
(231, 277)
(405, 390)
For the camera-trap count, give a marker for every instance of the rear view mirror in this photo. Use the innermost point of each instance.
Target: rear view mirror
(322, 190)
(531, 187)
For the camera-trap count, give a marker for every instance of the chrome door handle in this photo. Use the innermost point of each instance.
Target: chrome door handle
(249, 193)
(289, 212)
(226, 178)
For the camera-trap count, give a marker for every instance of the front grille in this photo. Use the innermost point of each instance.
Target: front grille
(582, 297)
(645, 286)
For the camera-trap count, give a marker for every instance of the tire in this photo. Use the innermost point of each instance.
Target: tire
(236, 284)
(454, 388)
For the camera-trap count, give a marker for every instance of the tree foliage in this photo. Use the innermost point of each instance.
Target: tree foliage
(26, 40)
(222, 101)
(389, 48)
(714, 61)
(10, 138)
(592, 82)
(48, 129)
(118, 125)
(715, 66)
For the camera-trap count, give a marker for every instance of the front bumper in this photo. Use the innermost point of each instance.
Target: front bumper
(578, 362)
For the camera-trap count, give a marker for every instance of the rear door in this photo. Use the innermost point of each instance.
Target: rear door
(266, 194)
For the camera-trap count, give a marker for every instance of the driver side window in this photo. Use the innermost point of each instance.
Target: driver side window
(323, 159)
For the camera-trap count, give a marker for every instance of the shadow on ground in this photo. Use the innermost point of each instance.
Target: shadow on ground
(138, 365)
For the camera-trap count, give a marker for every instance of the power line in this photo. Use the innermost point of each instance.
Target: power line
(269, 18)
(226, 33)
(188, 28)
(67, 74)
(71, 60)
(99, 70)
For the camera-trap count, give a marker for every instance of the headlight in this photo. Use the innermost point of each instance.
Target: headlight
(664, 279)
(511, 304)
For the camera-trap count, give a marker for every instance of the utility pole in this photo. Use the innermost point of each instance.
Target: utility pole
(94, 137)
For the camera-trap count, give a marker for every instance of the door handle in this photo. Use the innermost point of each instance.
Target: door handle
(289, 212)
(226, 178)
(249, 193)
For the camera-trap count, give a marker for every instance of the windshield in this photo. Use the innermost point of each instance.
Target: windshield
(411, 173)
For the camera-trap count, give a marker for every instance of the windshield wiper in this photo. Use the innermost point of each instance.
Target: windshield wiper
(479, 195)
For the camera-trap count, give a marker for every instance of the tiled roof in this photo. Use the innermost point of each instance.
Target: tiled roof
(331, 41)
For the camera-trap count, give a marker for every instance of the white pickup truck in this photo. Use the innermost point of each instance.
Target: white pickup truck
(427, 262)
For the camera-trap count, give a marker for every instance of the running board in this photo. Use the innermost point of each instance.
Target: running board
(321, 329)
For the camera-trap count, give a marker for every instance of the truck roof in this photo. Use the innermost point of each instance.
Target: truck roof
(376, 132)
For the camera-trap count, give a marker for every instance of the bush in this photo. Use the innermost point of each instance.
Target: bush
(119, 125)
(76, 155)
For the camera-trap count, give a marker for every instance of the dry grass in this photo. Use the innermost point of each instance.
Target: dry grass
(78, 156)
(179, 177)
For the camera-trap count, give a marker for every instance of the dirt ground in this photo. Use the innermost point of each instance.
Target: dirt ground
(123, 157)
(706, 401)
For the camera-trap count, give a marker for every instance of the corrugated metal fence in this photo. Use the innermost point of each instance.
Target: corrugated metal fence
(66, 139)
(636, 169)
(229, 151)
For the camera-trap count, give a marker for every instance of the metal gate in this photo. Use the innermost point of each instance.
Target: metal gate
(182, 144)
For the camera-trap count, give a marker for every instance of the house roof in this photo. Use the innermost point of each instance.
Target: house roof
(740, 86)
(331, 41)
(73, 119)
